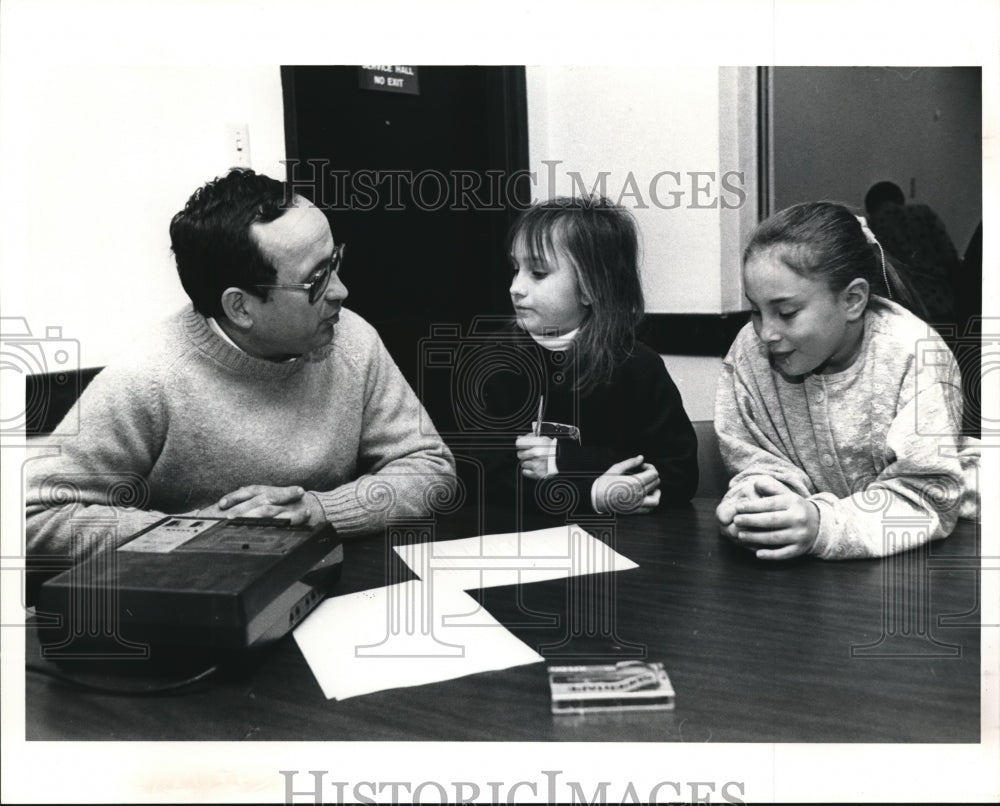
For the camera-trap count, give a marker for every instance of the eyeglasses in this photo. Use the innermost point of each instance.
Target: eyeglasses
(317, 288)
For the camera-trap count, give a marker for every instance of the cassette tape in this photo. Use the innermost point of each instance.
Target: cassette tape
(623, 686)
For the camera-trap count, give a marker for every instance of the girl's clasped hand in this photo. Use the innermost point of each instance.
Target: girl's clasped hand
(772, 520)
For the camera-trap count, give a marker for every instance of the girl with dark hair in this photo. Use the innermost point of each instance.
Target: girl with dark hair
(626, 443)
(838, 411)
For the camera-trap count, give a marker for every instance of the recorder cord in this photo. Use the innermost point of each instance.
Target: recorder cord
(121, 692)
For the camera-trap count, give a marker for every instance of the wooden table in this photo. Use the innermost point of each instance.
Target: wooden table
(799, 651)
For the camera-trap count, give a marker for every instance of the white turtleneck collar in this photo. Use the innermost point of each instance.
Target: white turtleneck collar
(556, 344)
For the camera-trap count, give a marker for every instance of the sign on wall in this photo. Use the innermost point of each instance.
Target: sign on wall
(389, 78)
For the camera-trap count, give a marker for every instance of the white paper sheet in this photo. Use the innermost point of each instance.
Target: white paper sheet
(404, 635)
(512, 558)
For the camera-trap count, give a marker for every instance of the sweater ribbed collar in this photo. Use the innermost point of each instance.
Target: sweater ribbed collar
(204, 338)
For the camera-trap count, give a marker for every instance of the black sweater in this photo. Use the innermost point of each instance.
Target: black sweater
(638, 412)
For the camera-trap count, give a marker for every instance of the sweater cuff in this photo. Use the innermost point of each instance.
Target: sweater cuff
(350, 512)
(826, 538)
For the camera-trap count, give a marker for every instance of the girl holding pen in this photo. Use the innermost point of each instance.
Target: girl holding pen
(610, 434)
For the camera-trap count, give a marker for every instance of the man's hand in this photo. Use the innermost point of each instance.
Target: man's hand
(630, 487)
(778, 523)
(263, 501)
(534, 454)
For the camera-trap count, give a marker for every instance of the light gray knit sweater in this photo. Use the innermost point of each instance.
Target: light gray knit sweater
(188, 418)
(874, 446)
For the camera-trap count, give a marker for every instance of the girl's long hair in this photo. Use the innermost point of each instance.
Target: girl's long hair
(602, 242)
(826, 239)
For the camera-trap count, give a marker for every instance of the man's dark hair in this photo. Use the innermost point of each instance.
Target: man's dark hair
(880, 193)
(211, 240)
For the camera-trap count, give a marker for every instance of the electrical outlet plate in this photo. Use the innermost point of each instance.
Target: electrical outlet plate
(238, 145)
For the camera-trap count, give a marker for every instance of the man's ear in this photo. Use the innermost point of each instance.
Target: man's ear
(854, 298)
(238, 307)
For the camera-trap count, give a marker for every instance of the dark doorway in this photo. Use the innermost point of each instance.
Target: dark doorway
(422, 188)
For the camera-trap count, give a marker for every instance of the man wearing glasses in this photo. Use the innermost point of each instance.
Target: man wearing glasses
(264, 398)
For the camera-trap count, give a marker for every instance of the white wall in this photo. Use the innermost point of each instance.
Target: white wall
(96, 160)
(638, 122)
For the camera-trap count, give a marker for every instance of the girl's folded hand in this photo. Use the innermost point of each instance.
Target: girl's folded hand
(629, 487)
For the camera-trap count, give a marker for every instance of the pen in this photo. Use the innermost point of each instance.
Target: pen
(538, 421)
